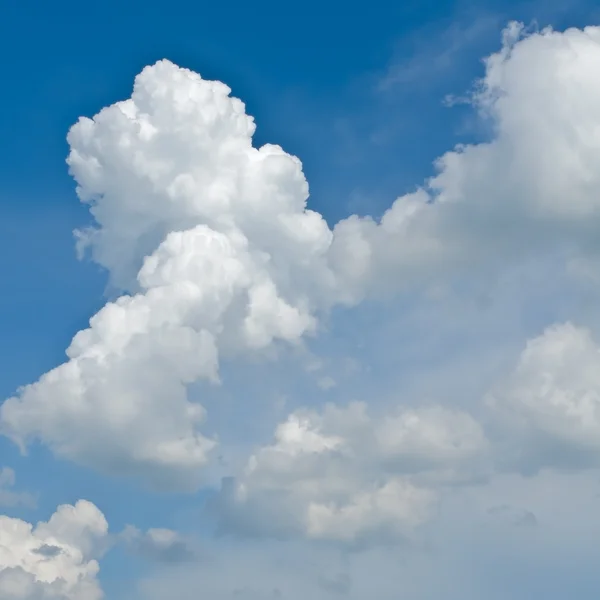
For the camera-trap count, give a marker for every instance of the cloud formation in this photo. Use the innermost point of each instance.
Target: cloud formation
(218, 257)
(8, 495)
(549, 407)
(160, 545)
(55, 560)
(346, 476)
(212, 239)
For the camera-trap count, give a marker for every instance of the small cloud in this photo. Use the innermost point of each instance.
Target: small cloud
(10, 497)
(326, 383)
(435, 52)
(158, 545)
(335, 584)
(7, 477)
(313, 364)
(526, 519)
(53, 559)
(516, 517)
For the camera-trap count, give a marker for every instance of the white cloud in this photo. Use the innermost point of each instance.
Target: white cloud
(471, 551)
(482, 544)
(531, 189)
(434, 53)
(212, 240)
(549, 407)
(55, 560)
(344, 475)
(161, 545)
(10, 497)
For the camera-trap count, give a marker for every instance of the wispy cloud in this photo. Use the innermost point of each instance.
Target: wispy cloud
(430, 52)
(8, 496)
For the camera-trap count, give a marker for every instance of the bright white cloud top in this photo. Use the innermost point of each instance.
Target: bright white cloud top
(54, 560)
(218, 257)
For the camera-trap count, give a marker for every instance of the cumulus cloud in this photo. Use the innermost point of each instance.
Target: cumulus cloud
(344, 475)
(549, 407)
(55, 560)
(532, 187)
(459, 552)
(10, 497)
(211, 241)
(217, 257)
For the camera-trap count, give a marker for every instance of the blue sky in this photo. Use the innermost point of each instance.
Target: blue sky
(357, 93)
